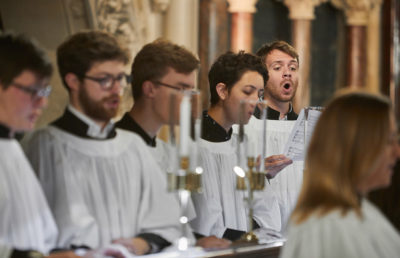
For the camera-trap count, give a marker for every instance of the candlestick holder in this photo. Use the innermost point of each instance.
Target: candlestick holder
(184, 176)
(185, 179)
(254, 178)
(250, 181)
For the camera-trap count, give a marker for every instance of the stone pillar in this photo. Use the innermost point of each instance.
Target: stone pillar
(301, 12)
(181, 23)
(155, 18)
(242, 24)
(213, 39)
(358, 14)
(373, 48)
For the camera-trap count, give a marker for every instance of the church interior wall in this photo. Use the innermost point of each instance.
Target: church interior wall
(138, 22)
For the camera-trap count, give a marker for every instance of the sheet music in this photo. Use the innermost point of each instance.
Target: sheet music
(298, 139)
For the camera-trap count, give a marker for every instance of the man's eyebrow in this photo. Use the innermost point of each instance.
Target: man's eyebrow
(106, 73)
(281, 62)
(277, 62)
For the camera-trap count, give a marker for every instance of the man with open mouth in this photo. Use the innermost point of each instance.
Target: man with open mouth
(282, 62)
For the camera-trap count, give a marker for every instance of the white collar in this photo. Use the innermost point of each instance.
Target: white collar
(94, 130)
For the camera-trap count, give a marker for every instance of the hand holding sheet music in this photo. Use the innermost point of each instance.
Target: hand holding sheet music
(300, 136)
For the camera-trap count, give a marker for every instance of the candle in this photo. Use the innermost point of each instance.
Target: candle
(252, 147)
(264, 136)
(184, 124)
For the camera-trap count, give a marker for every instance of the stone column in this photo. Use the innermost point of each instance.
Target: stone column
(181, 23)
(301, 12)
(242, 24)
(213, 39)
(358, 14)
(373, 48)
(155, 18)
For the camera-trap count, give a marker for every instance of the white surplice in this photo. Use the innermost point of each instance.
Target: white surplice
(26, 220)
(221, 205)
(287, 184)
(100, 190)
(164, 155)
(335, 235)
(5, 251)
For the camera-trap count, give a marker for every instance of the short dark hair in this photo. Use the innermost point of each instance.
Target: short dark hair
(154, 59)
(230, 67)
(19, 53)
(278, 45)
(78, 53)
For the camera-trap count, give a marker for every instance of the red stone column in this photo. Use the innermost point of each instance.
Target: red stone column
(301, 13)
(242, 24)
(356, 56)
(213, 39)
(357, 19)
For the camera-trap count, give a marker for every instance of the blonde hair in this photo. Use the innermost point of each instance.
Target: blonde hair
(346, 144)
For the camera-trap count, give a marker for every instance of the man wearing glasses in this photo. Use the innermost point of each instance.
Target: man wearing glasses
(97, 179)
(26, 222)
(160, 69)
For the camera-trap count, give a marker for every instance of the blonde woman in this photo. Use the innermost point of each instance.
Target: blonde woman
(353, 151)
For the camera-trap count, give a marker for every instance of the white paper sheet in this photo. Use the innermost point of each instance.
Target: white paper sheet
(296, 146)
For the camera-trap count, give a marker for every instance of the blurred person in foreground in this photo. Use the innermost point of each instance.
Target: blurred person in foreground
(27, 227)
(160, 69)
(353, 150)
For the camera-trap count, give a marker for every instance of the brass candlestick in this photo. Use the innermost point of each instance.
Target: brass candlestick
(185, 179)
(254, 178)
(184, 182)
(184, 175)
(251, 181)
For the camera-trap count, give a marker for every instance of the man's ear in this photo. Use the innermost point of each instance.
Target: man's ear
(222, 90)
(148, 89)
(72, 81)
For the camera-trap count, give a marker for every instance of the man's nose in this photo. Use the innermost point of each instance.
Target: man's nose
(286, 73)
(41, 102)
(118, 87)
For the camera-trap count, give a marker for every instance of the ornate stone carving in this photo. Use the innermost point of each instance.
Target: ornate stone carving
(241, 6)
(302, 9)
(126, 19)
(77, 8)
(356, 11)
(160, 5)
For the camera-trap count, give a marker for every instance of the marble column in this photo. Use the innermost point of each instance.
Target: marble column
(242, 24)
(359, 60)
(301, 13)
(213, 39)
(181, 23)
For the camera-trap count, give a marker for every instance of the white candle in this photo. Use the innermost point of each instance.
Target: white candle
(264, 134)
(252, 148)
(184, 124)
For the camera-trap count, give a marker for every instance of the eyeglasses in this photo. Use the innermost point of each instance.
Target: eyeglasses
(108, 81)
(36, 92)
(177, 88)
